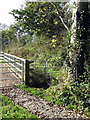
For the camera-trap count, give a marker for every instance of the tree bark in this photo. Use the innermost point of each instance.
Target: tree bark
(78, 44)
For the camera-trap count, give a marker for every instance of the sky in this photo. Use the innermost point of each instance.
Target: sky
(5, 7)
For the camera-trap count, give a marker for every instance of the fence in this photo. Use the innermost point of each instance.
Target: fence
(46, 70)
(34, 71)
(46, 65)
(19, 67)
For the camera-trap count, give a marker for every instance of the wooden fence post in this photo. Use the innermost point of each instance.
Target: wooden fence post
(27, 77)
(45, 69)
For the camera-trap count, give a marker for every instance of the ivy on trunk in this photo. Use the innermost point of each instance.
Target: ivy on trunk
(77, 55)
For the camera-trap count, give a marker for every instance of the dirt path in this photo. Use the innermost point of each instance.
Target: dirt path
(40, 107)
(37, 106)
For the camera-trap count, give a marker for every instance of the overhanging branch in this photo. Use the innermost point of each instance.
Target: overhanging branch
(60, 17)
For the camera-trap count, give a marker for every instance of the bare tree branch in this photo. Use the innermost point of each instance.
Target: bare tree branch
(60, 17)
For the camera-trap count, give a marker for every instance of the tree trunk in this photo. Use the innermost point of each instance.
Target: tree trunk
(78, 44)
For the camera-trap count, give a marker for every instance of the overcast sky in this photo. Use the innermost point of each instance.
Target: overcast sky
(5, 7)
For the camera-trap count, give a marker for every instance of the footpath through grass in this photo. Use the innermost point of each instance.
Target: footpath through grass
(67, 97)
(10, 110)
(40, 92)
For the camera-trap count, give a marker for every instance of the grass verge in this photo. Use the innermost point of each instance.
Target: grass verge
(67, 97)
(10, 110)
(51, 94)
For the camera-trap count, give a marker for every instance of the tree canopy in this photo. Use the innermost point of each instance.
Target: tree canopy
(45, 18)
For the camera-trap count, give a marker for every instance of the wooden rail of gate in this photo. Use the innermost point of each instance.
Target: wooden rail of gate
(20, 66)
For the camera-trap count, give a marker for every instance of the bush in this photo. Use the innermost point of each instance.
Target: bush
(76, 96)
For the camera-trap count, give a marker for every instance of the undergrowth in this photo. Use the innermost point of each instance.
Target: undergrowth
(72, 96)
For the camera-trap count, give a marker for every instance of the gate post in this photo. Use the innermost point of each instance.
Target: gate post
(27, 78)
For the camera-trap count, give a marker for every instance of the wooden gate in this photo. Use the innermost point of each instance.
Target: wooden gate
(16, 68)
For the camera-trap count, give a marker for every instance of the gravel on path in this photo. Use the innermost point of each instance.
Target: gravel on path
(41, 107)
(37, 106)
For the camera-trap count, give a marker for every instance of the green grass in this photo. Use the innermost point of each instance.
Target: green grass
(10, 110)
(56, 94)
(39, 92)
(47, 94)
